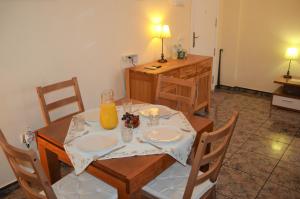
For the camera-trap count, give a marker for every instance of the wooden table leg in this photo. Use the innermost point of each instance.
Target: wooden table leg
(50, 163)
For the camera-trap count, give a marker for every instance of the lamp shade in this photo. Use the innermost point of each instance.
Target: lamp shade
(162, 31)
(291, 53)
(165, 32)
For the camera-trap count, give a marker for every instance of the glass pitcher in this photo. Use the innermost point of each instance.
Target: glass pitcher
(108, 111)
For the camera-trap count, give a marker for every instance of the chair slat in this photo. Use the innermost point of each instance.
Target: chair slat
(222, 132)
(16, 152)
(29, 192)
(66, 116)
(171, 96)
(177, 81)
(213, 155)
(32, 177)
(61, 103)
(57, 86)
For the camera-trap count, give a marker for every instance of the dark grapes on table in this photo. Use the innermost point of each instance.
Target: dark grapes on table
(131, 120)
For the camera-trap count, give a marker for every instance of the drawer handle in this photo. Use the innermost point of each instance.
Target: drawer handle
(287, 101)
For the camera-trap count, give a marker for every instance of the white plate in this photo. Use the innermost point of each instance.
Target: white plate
(95, 143)
(91, 116)
(163, 134)
(156, 110)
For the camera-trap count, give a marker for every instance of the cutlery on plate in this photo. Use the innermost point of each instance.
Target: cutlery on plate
(86, 132)
(143, 141)
(170, 115)
(86, 123)
(114, 150)
(136, 110)
(185, 130)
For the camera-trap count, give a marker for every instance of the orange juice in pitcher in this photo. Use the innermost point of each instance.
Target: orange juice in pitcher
(108, 111)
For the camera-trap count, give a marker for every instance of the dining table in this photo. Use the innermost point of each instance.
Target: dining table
(127, 174)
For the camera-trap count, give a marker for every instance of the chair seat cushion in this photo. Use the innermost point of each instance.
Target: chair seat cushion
(84, 186)
(172, 183)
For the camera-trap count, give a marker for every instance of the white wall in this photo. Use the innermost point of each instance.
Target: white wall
(254, 35)
(42, 42)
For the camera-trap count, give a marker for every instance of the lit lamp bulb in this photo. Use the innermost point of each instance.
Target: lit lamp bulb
(291, 54)
(162, 32)
(165, 32)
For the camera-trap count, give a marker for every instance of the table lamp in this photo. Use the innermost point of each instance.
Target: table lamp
(162, 32)
(291, 54)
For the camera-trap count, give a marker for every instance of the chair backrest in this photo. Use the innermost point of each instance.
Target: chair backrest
(27, 180)
(47, 108)
(214, 158)
(176, 93)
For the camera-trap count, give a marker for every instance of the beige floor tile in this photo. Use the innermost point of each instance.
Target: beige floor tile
(265, 146)
(237, 184)
(285, 116)
(252, 163)
(232, 149)
(274, 191)
(286, 175)
(278, 130)
(296, 143)
(292, 155)
(239, 137)
(220, 196)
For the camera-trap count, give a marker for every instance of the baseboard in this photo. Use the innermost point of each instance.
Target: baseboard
(245, 90)
(5, 190)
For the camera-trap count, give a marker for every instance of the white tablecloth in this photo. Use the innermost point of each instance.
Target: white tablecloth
(178, 149)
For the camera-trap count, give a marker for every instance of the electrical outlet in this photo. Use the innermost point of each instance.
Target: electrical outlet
(27, 137)
(131, 58)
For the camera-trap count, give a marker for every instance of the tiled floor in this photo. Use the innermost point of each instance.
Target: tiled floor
(263, 159)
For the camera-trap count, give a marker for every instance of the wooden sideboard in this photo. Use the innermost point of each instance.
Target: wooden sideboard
(288, 94)
(141, 82)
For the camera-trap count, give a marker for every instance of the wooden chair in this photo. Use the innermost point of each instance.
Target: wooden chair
(47, 108)
(187, 182)
(70, 186)
(176, 93)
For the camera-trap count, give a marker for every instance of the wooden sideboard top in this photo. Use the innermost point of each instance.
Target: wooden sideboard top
(294, 81)
(170, 65)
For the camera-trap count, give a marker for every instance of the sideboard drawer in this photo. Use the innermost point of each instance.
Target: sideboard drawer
(188, 71)
(203, 67)
(286, 102)
(172, 73)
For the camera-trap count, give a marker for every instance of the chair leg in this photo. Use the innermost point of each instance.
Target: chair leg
(213, 193)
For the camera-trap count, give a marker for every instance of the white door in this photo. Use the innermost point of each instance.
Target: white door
(204, 28)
